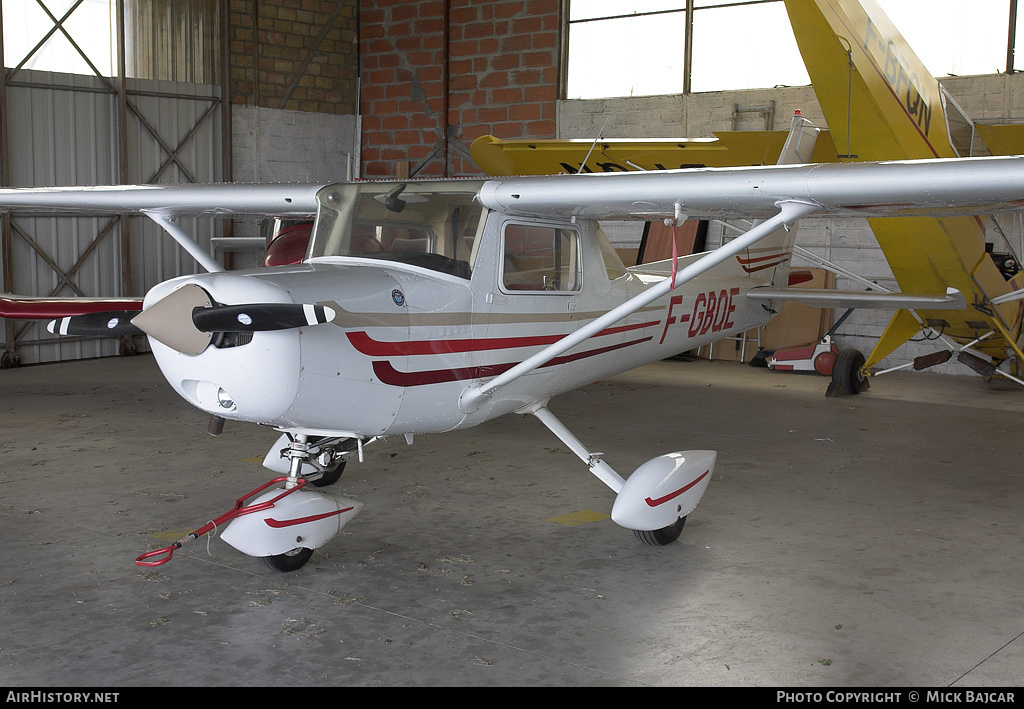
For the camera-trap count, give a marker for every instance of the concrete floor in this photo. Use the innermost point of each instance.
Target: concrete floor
(869, 541)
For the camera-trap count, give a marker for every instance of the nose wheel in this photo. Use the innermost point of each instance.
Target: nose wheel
(319, 460)
(330, 474)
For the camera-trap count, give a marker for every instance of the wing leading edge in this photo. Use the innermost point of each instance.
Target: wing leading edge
(223, 199)
(963, 186)
(908, 188)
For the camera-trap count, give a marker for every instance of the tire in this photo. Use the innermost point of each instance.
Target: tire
(289, 561)
(663, 536)
(846, 372)
(330, 476)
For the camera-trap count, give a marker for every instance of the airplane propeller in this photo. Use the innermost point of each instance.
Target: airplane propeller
(113, 323)
(260, 317)
(186, 319)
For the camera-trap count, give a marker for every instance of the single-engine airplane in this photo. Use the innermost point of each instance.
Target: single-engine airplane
(880, 103)
(430, 306)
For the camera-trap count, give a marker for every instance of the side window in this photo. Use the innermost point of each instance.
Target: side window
(612, 263)
(540, 258)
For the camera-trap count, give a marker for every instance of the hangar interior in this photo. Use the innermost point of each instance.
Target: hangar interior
(862, 541)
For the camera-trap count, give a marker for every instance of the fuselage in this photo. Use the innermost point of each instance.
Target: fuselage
(439, 303)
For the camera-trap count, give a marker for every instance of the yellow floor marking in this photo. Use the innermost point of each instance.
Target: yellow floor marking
(171, 535)
(582, 517)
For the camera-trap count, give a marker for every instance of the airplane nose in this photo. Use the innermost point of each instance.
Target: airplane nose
(229, 343)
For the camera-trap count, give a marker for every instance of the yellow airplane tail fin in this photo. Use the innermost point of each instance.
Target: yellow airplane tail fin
(879, 100)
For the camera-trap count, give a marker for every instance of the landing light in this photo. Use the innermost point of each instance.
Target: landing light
(224, 400)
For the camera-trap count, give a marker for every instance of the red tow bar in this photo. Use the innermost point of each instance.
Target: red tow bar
(237, 511)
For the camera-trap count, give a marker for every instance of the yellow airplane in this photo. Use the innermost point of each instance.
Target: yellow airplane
(891, 105)
(880, 103)
(551, 157)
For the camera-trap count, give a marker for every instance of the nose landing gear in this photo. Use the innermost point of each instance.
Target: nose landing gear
(322, 458)
(285, 522)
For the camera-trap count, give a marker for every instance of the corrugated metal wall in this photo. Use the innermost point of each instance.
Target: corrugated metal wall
(63, 130)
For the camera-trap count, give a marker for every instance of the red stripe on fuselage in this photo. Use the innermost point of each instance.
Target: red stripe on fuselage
(391, 376)
(377, 348)
(773, 259)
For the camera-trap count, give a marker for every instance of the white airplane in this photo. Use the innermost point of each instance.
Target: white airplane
(430, 306)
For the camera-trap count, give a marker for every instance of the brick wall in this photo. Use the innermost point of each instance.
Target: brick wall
(502, 60)
(298, 55)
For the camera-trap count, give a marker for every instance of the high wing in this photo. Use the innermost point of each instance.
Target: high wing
(965, 186)
(224, 199)
(162, 203)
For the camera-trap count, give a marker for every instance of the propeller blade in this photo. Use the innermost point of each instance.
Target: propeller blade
(112, 323)
(260, 317)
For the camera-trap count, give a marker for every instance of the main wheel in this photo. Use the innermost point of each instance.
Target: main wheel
(289, 561)
(846, 372)
(663, 536)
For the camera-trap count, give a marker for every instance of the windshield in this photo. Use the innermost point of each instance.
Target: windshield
(430, 224)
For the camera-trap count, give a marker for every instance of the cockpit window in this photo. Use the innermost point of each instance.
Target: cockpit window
(432, 225)
(540, 258)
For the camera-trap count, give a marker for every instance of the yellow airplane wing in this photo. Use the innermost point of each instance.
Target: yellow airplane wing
(551, 157)
(881, 103)
(1003, 139)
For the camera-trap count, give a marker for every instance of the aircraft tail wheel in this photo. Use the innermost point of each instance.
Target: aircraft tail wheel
(289, 561)
(663, 536)
(847, 377)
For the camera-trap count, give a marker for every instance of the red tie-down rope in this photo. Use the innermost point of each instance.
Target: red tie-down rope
(237, 511)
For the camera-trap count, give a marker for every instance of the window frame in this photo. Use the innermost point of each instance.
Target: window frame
(556, 227)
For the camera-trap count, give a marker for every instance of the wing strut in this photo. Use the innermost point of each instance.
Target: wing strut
(184, 240)
(789, 212)
(601, 470)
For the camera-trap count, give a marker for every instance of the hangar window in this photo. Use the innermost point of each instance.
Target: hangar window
(648, 47)
(81, 37)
